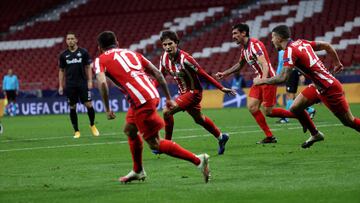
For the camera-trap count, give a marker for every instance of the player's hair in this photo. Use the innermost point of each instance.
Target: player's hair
(70, 33)
(242, 27)
(283, 31)
(168, 34)
(106, 40)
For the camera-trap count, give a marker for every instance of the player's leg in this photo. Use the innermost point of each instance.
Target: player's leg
(269, 101)
(150, 124)
(175, 150)
(301, 102)
(306, 98)
(254, 103)
(168, 115)
(136, 148)
(210, 126)
(71, 93)
(335, 100)
(85, 98)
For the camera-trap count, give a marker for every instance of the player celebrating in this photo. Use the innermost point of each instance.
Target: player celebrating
(291, 87)
(300, 54)
(254, 53)
(74, 65)
(186, 71)
(127, 70)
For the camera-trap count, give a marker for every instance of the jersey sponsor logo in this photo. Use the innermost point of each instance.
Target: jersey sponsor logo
(286, 60)
(72, 61)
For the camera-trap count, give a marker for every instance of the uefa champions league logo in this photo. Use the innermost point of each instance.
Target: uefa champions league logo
(12, 109)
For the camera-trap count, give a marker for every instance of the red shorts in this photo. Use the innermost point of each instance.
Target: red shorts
(190, 101)
(264, 93)
(146, 118)
(333, 97)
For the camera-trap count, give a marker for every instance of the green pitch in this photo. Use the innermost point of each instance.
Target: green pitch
(41, 162)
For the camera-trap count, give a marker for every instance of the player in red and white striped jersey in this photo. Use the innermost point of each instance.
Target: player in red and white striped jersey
(127, 70)
(254, 53)
(186, 71)
(300, 54)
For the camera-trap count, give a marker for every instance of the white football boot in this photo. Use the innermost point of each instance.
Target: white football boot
(204, 166)
(132, 175)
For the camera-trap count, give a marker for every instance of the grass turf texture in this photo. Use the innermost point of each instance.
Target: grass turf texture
(41, 162)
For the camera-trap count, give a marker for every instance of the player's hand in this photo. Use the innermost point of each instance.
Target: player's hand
(228, 91)
(90, 85)
(257, 81)
(110, 115)
(219, 75)
(61, 90)
(338, 68)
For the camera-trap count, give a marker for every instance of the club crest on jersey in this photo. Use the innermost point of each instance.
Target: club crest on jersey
(78, 54)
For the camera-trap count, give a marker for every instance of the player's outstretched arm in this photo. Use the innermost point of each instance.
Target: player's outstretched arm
(320, 45)
(104, 92)
(277, 79)
(235, 68)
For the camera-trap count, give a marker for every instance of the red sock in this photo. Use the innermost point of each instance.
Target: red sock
(172, 149)
(357, 124)
(260, 119)
(169, 126)
(281, 113)
(306, 121)
(210, 126)
(136, 148)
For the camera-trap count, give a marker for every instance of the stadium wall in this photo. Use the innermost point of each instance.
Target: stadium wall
(211, 99)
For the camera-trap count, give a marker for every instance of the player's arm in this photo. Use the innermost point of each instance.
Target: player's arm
(104, 92)
(235, 68)
(210, 79)
(277, 79)
(61, 81)
(321, 45)
(263, 65)
(153, 71)
(88, 69)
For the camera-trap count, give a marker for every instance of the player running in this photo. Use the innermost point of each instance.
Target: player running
(127, 69)
(300, 54)
(254, 53)
(186, 71)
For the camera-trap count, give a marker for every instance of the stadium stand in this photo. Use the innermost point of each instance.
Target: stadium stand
(205, 28)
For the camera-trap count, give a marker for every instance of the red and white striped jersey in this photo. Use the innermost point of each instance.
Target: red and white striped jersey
(301, 55)
(185, 71)
(127, 70)
(254, 49)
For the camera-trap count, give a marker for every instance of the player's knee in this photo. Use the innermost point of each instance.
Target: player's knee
(88, 105)
(268, 111)
(253, 108)
(153, 143)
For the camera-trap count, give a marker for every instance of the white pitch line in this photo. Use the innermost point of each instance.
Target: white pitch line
(123, 142)
(175, 130)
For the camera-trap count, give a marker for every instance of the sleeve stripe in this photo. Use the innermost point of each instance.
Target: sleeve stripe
(97, 66)
(290, 56)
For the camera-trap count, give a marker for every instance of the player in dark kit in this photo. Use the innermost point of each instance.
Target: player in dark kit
(74, 65)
